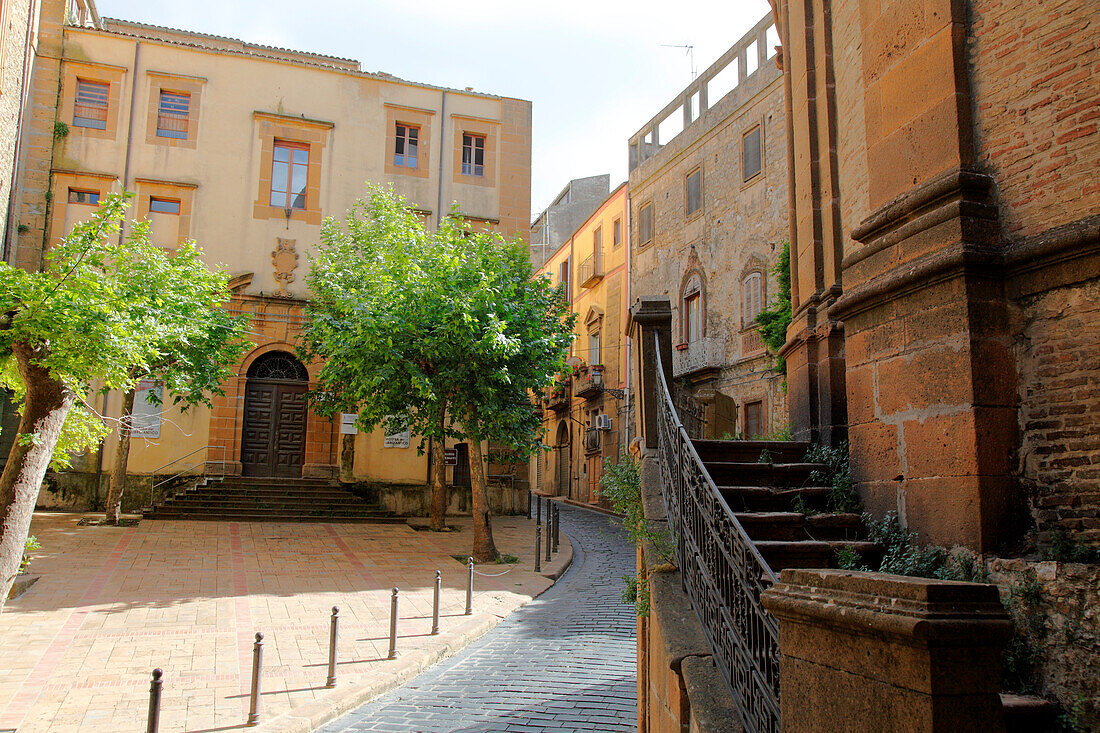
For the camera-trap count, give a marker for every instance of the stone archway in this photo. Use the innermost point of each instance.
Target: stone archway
(562, 481)
(274, 438)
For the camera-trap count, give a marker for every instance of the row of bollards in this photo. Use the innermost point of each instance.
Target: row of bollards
(255, 711)
(553, 531)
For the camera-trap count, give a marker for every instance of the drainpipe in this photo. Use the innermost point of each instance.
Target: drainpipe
(130, 131)
(629, 340)
(442, 135)
(24, 94)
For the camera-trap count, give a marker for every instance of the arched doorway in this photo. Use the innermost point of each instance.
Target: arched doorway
(565, 460)
(274, 440)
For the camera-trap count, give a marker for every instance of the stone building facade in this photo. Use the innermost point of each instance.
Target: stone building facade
(585, 419)
(708, 202)
(246, 148)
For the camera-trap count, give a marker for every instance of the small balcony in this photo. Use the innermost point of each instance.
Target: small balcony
(557, 399)
(701, 355)
(588, 382)
(593, 440)
(591, 270)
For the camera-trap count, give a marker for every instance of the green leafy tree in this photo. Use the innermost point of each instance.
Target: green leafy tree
(444, 329)
(99, 311)
(773, 320)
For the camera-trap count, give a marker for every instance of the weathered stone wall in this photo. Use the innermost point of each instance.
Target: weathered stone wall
(741, 229)
(1037, 105)
(1059, 389)
(14, 15)
(1056, 609)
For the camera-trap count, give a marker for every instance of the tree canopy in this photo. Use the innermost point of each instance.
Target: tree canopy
(445, 329)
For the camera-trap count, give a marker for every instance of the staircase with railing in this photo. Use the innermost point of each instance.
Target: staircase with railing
(731, 506)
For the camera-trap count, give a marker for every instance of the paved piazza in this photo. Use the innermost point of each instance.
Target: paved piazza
(564, 662)
(77, 649)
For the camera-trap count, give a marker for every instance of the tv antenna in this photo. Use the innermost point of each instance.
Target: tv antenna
(690, 50)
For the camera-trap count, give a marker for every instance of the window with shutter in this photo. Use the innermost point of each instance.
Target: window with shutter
(90, 109)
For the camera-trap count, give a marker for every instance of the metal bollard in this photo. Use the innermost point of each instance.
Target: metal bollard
(257, 665)
(435, 606)
(469, 586)
(334, 625)
(538, 511)
(154, 702)
(549, 527)
(393, 625)
(557, 526)
(538, 548)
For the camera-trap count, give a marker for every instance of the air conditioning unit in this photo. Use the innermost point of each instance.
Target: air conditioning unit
(603, 422)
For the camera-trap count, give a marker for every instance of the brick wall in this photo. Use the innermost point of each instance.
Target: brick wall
(1059, 390)
(1034, 69)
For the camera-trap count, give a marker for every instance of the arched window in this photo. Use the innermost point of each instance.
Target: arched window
(752, 289)
(691, 303)
(278, 365)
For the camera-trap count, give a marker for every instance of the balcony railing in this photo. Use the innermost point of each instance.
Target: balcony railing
(593, 439)
(723, 573)
(558, 397)
(589, 383)
(696, 356)
(591, 270)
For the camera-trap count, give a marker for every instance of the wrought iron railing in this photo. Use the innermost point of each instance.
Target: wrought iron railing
(694, 356)
(593, 438)
(691, 411)
(722, 571)
(590, 270)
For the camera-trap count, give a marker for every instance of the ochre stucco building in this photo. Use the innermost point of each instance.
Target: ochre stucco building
(585, 413)
(246, 148)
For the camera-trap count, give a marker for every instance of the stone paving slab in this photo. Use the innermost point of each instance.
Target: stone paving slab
(77, 649)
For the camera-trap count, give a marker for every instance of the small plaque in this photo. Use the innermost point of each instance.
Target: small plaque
(450, 456)
(395, 440)
(347, 423)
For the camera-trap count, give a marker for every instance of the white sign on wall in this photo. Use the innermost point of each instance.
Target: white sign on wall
(347, 423)
(399, 439)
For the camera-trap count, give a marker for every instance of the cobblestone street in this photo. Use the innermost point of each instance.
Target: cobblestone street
(564, 662)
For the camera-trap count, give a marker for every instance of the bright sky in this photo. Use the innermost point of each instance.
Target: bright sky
(596, 71)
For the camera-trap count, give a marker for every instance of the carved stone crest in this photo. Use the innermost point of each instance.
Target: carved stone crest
(285, 260)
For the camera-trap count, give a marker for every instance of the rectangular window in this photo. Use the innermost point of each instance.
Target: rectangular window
(172, 114)
(617, 233)
(693, 189)
(91, 198)
(594, 356)
(90, 109)
(693, 330)
(163, 206)
(597, 247)
(563, 279)
(752, 153)
(406, 146)
(754, 420)
(473, 155)
(645, 224)
(289, 172)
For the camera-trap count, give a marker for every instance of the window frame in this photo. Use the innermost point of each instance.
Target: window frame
(100, 124)
(565, 279)
(290, 145)
(758, 277)
(470, 141)
(645, 221)
(164, 200)
(617, 233)
(406, 140)
(757, 128)
(76, 193)
(595, 347)
(753, 406)
(690, 213)
(692, 294)
(173, 115)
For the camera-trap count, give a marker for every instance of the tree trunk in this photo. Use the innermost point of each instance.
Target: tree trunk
(122, 457)
(438, 516)
(47, 403)
(485, 550)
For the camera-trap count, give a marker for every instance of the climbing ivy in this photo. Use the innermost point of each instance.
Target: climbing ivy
(774, 319)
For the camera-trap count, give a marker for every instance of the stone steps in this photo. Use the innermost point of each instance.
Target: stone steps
(780, 509)
(254, 499)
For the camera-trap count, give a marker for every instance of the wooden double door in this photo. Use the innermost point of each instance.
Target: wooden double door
(274, 441)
